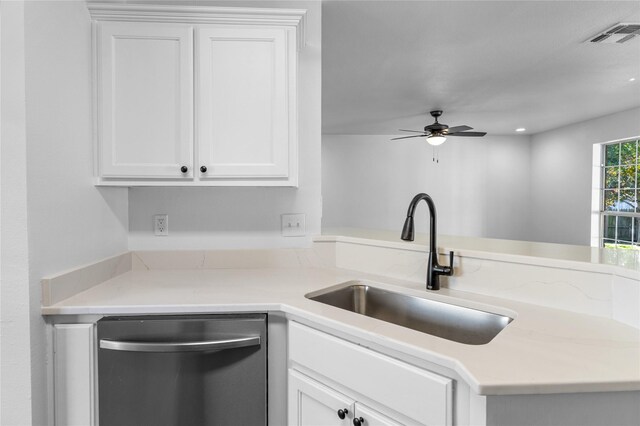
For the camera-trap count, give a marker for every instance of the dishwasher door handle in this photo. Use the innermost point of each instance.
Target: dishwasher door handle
(204, 346)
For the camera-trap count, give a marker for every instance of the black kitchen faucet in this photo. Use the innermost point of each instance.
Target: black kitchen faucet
(434, 269)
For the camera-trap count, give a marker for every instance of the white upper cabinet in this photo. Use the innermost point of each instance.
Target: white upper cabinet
(218, 111)
(246, 86)
(145, 100)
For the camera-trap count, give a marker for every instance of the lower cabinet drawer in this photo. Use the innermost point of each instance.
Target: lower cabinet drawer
(418, 394)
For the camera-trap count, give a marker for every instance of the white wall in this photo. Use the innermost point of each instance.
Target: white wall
(561, 179)
(480, 186)
(70, 222)
(15, 371)
(245, 217)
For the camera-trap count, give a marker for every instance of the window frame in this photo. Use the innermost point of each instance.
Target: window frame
(598, 200)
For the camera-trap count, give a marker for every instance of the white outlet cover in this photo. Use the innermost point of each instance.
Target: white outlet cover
(293, 225)
(161, 224)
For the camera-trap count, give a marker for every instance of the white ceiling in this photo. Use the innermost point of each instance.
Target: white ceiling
(492, 65)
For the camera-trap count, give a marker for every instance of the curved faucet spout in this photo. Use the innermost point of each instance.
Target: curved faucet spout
(434, 269)
(408, 224)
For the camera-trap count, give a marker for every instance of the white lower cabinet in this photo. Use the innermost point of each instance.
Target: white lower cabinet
(74, 367)
(328, 374)
(370, 417)
(313, 404)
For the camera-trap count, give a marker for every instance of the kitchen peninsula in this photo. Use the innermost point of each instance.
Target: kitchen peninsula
(570, 353)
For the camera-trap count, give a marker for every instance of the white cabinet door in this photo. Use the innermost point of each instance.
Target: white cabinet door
(144, 100)
(370, 417)
(246, 103)
(313, 404)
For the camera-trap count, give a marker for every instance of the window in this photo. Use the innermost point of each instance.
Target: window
(619, 210)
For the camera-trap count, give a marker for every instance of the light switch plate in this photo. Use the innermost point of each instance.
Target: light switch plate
(293, 225)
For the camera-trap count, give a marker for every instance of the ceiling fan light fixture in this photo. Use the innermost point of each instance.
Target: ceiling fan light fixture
(435, 134)
(436, 140)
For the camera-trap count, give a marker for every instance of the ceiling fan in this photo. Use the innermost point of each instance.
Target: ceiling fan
(437, 133)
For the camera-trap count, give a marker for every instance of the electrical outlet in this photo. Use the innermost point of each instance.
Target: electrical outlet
(293, 225)
(161, 224)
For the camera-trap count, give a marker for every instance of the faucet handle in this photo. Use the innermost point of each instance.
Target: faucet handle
(450, 271)
(442, 269)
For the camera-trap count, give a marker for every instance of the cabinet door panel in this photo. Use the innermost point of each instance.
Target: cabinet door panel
(74, 371)
(373, 418)
(145, 100)
(313, 404)
(244, 85)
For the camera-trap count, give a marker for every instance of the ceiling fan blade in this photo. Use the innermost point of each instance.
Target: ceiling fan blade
(412, 136)
(458, 129)
(414, 131)
(467, 134)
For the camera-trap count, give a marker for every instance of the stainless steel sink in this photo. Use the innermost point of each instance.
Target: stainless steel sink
(452, 322)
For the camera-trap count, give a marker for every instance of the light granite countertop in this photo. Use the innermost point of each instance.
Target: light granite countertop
(543, 350)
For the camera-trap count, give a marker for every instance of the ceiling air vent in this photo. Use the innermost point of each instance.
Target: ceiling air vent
(619, 33)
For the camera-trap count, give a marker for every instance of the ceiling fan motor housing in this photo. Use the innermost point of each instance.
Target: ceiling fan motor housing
(436, 127)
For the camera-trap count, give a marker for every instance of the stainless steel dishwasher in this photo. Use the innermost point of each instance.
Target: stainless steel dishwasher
(182, 370)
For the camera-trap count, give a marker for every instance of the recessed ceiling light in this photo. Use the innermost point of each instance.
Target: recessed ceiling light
(520, 129)
(632, 79)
